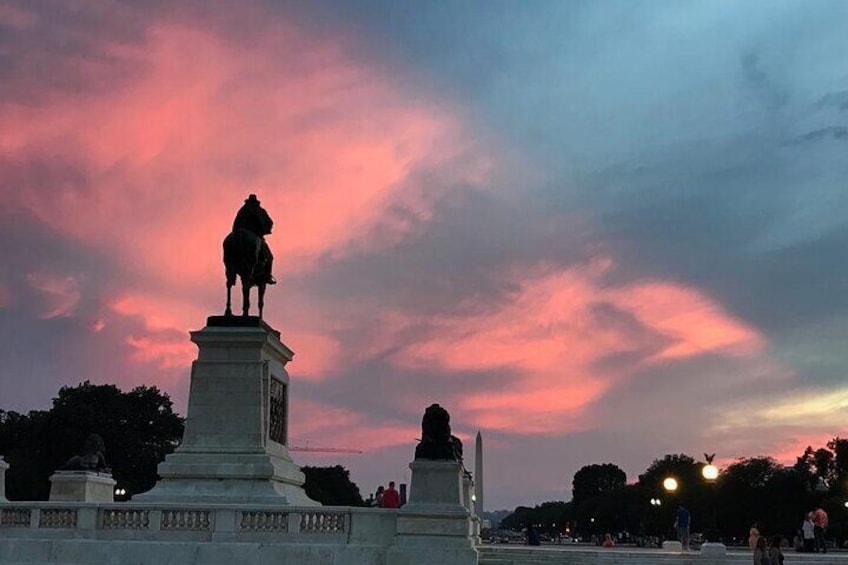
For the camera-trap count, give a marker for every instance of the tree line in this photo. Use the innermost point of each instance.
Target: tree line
(751, 490)
(139, 428)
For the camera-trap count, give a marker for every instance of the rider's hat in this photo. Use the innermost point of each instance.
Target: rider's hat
(252, 199)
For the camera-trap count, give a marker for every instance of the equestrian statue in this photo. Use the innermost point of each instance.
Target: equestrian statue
(246, 254)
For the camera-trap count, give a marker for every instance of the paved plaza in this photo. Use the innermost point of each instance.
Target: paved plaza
(582, 555)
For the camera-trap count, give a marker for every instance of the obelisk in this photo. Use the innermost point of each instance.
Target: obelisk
(478, 475)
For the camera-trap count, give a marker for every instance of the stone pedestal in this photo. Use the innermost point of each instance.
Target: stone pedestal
(435, 526)
(672, 545)
(81, 486)
(3, 467)
(234, 446)
(713, 550)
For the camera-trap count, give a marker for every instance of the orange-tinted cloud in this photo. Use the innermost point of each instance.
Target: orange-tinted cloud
(549, 337)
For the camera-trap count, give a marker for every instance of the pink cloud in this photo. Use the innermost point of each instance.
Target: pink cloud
(15, 17)
(171, 153)
(60, 293)
(5, 297)
(328, 426)
(182, 126)
(164, 351)
(546, 335)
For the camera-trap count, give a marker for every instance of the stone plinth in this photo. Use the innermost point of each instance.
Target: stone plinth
(672, 545)
(435, 526)
(81, 486)
(3, 467)
(713, 550)
(234, 446)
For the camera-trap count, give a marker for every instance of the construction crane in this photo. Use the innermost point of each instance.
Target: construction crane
(305, 447)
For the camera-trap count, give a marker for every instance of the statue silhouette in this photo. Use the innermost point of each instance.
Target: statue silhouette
(247, 255)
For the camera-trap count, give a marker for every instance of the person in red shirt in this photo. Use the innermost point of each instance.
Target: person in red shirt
(819, 529)
(391, 497)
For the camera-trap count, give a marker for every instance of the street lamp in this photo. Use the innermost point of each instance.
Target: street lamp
(713, 547)
(709, 471)
(670, 484)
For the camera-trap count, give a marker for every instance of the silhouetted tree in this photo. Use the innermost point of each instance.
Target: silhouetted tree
(331, 486)
(548, 517)
(138, 427)
(592, 480)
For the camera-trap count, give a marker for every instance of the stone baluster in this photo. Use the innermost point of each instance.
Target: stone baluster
(3, 467)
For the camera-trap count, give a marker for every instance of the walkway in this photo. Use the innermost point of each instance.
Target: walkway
(583, 555)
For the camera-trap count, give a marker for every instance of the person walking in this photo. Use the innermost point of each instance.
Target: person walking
(776, 551)
(753, 537)
(761, 552)
(391, 497)
(682, 520)
(378, 497)
(808, 531)
(819, 529)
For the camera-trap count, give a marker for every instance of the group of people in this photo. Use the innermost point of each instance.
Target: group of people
(386, 497)
(768, 553)
(813, 528)
(810, 538)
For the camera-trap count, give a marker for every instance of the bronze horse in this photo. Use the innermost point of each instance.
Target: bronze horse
(242, 257)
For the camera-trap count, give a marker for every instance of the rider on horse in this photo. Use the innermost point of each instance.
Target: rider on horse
(253, 218)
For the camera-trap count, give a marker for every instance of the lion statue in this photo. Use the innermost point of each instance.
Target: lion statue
(436, 439)
(92, 458)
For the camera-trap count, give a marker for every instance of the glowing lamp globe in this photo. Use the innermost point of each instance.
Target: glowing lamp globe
(710, 472)
(670, 484)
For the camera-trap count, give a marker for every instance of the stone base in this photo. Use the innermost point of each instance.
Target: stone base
(672, 545)
(713, 549)
(435, 526)
(234, 446)
(81, 486)
(436, 486)
(228, 478)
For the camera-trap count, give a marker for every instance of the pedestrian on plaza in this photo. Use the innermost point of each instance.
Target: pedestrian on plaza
(753, 537)
(608, 541)
(808, 529)
(532, 536)
(776, 551)
(820, 528)
(682, 520)
(391, 497)
(378, 497)
(761, 552)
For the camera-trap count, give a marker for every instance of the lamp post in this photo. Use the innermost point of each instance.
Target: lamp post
(713, 546)
(670, 485)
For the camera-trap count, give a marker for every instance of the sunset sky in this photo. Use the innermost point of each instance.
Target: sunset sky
(597, 231)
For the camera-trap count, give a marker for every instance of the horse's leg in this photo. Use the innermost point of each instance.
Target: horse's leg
(245, 291)
(261, 290)
(229, 310)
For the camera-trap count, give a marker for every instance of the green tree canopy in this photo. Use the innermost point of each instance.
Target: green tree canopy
(138, 427)
(331, 486)
(677, 465)
(592, 480)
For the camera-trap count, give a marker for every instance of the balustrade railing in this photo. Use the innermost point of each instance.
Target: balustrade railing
(124, 519)
(62, 518)
(264, 521)
(333, 524)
